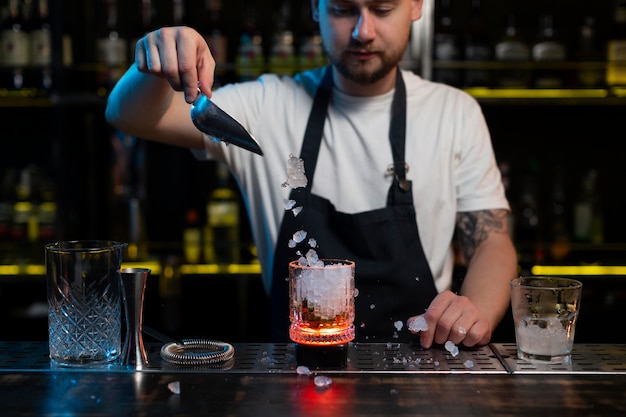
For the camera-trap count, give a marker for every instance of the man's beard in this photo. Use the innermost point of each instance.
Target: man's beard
(358, 73)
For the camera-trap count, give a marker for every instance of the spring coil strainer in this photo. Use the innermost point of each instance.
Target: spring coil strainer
(193, 352)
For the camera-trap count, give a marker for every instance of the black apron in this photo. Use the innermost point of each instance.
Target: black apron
(392, 275)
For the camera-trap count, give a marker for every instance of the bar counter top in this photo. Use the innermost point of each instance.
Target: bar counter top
(384, 379)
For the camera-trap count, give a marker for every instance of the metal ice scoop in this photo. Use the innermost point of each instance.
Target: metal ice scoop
(215, 122)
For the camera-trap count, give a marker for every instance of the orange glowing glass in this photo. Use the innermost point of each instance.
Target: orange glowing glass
(322, 302)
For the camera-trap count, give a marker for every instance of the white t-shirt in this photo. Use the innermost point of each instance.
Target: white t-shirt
(448, 151)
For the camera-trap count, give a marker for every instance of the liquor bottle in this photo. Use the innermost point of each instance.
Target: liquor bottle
(111, 49)
(178, 12)
(447, 48)
(310, 50)
(25, 225)
(47, 212)
(513, 51)
(588, 218)
(7, 194)
(217, 38)
(221, 233)
(616, 47)
(282, 59)
(250, 60)
(147, 13)
(590, 73)
(41, 48)
(14, 48)
(548, 50)
(528, 218)
(128, 193)
(192, 237)
(477, 49)
(561, 241)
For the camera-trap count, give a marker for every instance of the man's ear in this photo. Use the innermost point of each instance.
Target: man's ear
(416, 9)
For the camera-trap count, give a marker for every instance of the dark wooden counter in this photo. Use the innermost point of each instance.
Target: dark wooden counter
(399, 382)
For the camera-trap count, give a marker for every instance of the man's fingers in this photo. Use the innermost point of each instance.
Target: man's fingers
(181, 56)
(196, 65)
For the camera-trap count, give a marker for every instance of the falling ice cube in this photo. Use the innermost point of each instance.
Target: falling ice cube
(289, 204)
(299, 236)
(296, 177)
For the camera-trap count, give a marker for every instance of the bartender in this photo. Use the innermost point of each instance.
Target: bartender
(399, 168)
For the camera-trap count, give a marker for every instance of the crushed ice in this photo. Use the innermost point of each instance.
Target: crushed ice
(452, 348)
(289, 204)
(310, 259)
(322, 381)
(296, 177)
(299, 236)
(303, 370)
(418, 324)
(174, 387)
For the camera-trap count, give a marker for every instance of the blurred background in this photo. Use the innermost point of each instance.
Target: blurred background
(550, 76)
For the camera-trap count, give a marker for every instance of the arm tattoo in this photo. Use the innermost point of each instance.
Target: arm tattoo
(474, 227)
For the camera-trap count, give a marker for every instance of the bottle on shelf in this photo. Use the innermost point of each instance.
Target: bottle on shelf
(616, 47)
(217, 39)
(477, 49)
(179, 12)
(221, 233)
(548, 50)
(25, 224)
(447, 48)
(192, 237)
(282, 58)
(14, 48)
(250, 60)
(513, 52)
(560, 238)
(588, 216)
(528, 219)
(7, 194)
(590, 72)
(47, 212)
(41, 48)
(128, 193)
(111, 49)
(147, 13)
(310, 50)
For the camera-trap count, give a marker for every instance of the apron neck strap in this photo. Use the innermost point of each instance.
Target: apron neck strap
(315, 126)
(317, 118)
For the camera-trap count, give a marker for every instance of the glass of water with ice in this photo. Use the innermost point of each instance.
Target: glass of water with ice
(321, 298)
(545, 311)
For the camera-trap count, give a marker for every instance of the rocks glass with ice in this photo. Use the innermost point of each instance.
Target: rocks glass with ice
(321, 299)
(84, 302)
(545, 310)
